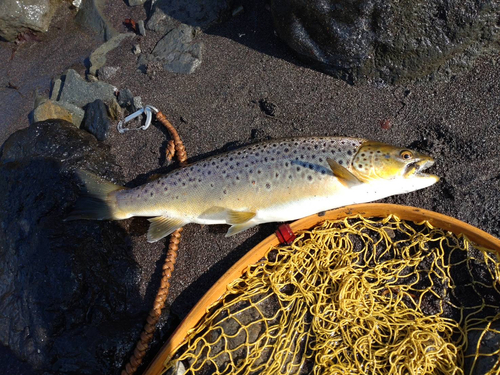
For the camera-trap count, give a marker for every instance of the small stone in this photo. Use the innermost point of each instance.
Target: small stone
(91, 15)
(114, 109)
(107, 72)
(178, 52)
(125, 98)
(92, 78)
(142, 29)
(137, 103)
(17, 16)
(98, 57)
(56, 88)
(77, 91)
(51, 110)
(137, 49)
(268, 108)
(134, 3)
(96, 120)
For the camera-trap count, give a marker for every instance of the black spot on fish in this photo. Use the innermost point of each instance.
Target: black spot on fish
(257, 154)
(341, 162)
(360, 165)
(320, 160)
(231, 159)
(309, 177)
(224, 191)
(268, 186)
(349, 152)
(266, 159)
(231, 167)
(199, 180)
(209, 173)
(277, 175)
(151, 194)
(313, 156)
(298, 169)
(286, 149)
(287, 164)
(290, 176)
(165, 188)
(183, 184)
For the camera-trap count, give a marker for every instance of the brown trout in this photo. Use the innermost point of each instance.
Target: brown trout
(278, 180)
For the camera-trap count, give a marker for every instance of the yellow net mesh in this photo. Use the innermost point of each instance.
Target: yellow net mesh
(356, 296)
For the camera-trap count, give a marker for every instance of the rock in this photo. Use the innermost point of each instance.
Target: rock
(98, 57)
(178, 52)
(107, 72)
(75, 90)
(198, 13)
(386, 39)
(17, 16)
(96, 120)
(68, 303)
(137, 103)
(142, 29)
(125, 98)
(90, 15)
(134, 3)
(49, 110)
(268, 107)
(56, 88)
(137, 49)
(114, 110)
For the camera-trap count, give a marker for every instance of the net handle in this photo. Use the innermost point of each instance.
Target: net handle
(258, 252)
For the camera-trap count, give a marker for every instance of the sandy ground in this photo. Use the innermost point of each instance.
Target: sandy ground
(217, 107)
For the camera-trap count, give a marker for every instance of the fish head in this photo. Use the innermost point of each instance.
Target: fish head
(380, 161)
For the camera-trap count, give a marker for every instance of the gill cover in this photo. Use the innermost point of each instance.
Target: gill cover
(376, 160)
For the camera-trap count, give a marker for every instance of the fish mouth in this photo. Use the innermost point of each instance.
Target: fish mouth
(415, 169)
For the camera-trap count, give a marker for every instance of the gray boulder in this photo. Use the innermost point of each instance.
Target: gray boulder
(178, 52)
(98, 57)
(387, 39)
(75, 90)
(68, 300)
(91, 15)
(200, 13)
(17, 16)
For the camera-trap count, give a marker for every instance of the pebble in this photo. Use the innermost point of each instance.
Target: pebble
(178, 52)
(142, 29)
(52, 110)
(107, 72)
(77, 91)
(98, 57)
(137, 49)
(96, 120)
(125, 98)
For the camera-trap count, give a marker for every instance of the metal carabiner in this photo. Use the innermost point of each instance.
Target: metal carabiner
(148, 110)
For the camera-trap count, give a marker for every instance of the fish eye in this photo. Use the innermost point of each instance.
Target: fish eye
(406, 154)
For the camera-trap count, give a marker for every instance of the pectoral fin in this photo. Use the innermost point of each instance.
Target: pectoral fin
(227, 215)
(343, 174)
(163, 226)
(237, 228)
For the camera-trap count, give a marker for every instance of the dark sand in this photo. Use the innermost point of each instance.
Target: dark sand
(217, 107)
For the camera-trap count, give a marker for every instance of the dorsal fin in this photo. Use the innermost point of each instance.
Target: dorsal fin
(343, 174)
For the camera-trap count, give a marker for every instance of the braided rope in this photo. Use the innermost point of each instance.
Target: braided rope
(175, 147)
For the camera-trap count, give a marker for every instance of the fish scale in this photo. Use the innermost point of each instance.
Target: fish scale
(276, 180)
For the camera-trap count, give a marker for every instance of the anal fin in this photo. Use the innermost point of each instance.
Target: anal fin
(238, 228)
(163, 226)
(229, 216)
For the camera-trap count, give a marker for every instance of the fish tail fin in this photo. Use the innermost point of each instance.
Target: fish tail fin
(98, 201)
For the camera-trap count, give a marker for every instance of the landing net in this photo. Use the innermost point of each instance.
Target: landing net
(356, 296)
